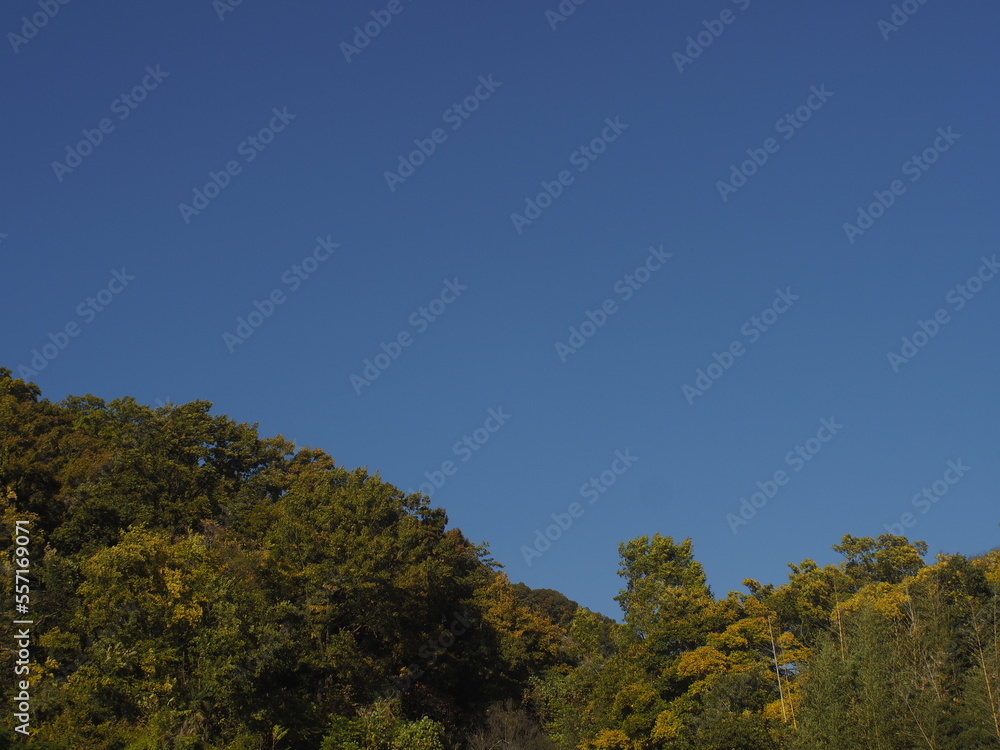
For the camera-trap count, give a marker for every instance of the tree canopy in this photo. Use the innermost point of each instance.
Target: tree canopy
(197, 585)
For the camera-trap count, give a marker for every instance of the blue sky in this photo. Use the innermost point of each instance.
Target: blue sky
(832, 303)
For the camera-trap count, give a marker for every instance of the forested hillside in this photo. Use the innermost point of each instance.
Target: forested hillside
(196, 585)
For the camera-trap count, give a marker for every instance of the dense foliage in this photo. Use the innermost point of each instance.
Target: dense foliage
(195, 585)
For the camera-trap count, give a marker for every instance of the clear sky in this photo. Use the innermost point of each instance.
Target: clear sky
(178, 163)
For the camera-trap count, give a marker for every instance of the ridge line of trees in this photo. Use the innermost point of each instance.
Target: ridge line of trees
(196, 585)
